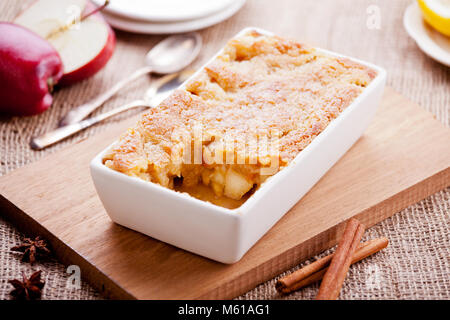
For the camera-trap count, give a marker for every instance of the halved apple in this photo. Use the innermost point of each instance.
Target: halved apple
(84, 48)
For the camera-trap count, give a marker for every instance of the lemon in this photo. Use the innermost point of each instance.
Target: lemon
(437, 14)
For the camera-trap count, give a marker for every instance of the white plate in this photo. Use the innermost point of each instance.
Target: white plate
(431, 42)
(221, 234)
(174, 27)
(164, 10)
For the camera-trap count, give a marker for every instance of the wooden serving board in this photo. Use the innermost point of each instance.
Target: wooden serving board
(403, 157)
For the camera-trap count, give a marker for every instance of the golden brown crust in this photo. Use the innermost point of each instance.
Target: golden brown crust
(261, 88)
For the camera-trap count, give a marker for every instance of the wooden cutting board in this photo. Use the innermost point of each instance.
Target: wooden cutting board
(403, 157)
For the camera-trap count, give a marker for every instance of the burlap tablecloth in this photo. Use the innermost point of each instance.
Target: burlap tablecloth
(416, 265)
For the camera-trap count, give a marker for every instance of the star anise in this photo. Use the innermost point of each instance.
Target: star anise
(27, 289)
(32, 249)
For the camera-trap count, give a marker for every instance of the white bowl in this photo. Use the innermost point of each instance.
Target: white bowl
(221, 234)
(433, 43)
(166, 10)
(147, 27)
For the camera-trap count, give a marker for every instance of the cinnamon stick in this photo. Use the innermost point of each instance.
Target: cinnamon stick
(340, 263)
(316, 270)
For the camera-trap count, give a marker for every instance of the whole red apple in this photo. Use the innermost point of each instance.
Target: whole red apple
(29, 67)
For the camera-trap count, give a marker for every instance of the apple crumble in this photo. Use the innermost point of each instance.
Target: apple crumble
(242, 119)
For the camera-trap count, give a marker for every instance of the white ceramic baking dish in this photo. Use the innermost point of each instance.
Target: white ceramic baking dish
(221, 234)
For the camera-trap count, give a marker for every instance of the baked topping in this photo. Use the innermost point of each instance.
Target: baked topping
(243, 118)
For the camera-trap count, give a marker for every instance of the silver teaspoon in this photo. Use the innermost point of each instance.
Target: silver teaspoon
(157, 92)
(168, 56)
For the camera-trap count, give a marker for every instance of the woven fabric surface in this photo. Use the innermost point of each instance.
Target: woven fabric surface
(416, 265)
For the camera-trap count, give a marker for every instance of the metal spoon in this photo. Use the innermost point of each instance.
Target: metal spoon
(168, 56)
(158, 91)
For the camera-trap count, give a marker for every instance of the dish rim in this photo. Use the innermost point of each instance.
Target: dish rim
(240, 211)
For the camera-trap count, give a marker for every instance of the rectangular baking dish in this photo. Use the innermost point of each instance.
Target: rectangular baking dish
(221, 234)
